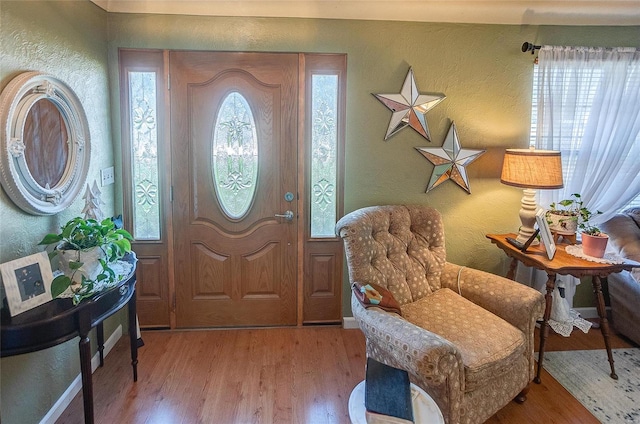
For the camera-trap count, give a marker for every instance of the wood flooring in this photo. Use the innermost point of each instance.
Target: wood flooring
(283, 375)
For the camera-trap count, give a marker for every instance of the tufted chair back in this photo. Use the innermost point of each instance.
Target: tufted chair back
(400, 247)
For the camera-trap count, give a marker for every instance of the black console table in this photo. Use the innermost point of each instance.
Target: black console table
(57, 321)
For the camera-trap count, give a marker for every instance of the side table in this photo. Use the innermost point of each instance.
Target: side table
(563, 264)
(425, 409)
(59, 320)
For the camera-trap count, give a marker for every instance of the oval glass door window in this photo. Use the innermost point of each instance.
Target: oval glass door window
(235, 156)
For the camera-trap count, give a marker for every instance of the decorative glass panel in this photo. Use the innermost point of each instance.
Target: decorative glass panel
(144, 140)
(235, 156)
(324, 142)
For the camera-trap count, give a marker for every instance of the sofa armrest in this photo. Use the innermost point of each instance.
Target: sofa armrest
(624, 292)
(432, 362)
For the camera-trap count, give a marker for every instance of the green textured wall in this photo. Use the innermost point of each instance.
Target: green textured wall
(480, 68)
(67, 40)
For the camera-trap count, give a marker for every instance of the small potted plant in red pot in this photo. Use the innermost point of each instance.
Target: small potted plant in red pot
(594, 241)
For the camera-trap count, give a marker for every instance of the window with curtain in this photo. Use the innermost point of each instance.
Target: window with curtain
(585, 104)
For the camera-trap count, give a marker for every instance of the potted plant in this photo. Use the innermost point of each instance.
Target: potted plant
(85, 248)
(563, 216)
(594, 241)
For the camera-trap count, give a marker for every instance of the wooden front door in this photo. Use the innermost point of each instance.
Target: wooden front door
(234, 168)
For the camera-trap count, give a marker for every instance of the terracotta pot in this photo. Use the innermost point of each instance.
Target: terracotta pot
(91, 265)
(562, 224)
(594, 245)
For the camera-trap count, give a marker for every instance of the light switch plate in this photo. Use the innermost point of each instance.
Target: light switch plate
(106, 176)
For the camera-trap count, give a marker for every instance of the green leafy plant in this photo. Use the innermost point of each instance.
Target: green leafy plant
(563, 215)
(83, 234)
(585, 216)
(574, 210)
(568, 207)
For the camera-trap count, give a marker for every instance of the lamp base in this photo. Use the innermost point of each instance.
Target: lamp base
(528, 208)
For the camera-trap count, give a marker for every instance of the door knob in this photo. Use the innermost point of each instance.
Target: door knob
(288, 215)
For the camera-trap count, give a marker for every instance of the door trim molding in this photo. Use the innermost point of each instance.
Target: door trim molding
(318, 285)
(302, 213)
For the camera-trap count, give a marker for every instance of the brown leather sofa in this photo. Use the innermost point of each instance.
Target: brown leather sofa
(624, 287)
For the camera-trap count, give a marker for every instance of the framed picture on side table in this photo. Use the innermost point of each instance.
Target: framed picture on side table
(545, 233)
(27, 282)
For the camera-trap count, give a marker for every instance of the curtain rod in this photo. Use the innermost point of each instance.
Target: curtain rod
(529, 47)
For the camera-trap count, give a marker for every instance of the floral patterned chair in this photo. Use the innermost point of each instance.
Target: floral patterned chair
(465, 336)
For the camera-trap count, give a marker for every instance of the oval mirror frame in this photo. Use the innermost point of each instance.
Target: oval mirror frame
(16, 101)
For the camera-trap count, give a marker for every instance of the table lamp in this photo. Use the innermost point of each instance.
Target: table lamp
(531, 169)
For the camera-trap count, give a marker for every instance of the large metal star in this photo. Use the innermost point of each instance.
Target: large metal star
(409, 107)
(449, 161)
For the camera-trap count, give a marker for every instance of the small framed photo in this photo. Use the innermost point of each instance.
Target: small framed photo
(27, 282)
(545, 233)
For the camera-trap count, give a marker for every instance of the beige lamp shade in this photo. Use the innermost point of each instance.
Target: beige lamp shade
(529, 168)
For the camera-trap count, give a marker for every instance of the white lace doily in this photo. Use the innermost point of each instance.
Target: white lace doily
(609, 257)
(563, 318)
(122, 269)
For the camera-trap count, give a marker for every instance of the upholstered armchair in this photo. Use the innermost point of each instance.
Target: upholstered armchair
(465, 336)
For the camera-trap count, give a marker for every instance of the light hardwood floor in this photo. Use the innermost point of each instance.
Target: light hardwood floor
(284, 375)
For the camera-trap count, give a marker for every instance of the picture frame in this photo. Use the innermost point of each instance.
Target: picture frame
(545, 233)
(27, 282)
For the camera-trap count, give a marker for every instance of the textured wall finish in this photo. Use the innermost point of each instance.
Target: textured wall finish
(68, 41)
(58, 46)
(480, 68)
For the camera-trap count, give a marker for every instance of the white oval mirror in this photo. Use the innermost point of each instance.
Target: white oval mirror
(46, 151)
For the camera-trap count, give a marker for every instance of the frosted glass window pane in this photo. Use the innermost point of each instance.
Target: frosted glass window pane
(144, 142)
(235, 156)
(324, 165)
(568, 135)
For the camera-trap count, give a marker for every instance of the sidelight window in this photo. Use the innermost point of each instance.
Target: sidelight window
(324, 146)
(144, 145)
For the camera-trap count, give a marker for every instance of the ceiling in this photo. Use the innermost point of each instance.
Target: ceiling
(534, 12)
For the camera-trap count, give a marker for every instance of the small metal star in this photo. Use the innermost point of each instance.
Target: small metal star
(449, 161)
(409, 107)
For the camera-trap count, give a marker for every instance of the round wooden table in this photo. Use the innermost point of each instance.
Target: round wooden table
(425, 409)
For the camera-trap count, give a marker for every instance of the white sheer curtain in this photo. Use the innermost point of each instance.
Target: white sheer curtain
(588, 107)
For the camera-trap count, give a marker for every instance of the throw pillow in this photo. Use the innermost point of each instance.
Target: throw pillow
(373, 295)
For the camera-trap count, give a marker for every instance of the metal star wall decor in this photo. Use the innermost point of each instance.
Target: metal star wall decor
(409, 107)
(449, 161)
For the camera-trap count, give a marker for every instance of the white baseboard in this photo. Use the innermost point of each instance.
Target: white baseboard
(349, 323)
(61, 404)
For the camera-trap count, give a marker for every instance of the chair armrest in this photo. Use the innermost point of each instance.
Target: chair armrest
(519, 305)
(515, 303)
(432, 362)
